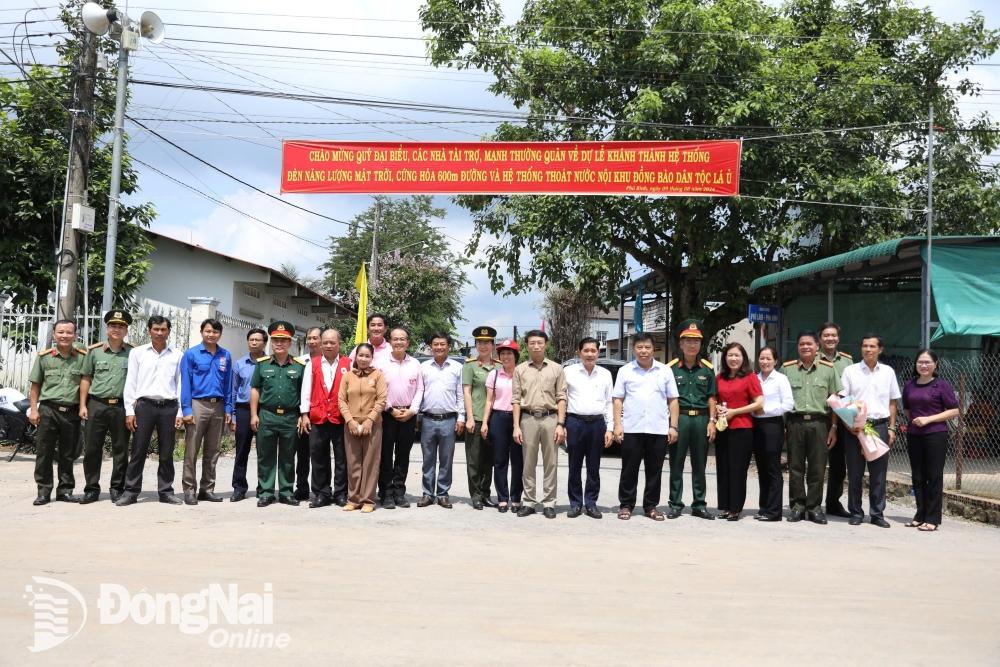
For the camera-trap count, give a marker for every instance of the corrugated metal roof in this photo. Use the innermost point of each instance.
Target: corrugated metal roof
(868, 253)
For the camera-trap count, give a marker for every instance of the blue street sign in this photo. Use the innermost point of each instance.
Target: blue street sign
(764, 314)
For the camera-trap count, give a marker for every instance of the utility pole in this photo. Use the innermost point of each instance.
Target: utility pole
(925, 335)
(373, 278)
(77, 170)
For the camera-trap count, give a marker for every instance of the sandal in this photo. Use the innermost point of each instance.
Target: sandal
(927, 528)
(655, 514)
(624, 514)
(914, 524)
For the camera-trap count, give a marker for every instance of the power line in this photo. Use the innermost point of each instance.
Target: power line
(830, 203)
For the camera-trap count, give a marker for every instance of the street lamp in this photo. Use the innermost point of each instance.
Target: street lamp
(99, 21)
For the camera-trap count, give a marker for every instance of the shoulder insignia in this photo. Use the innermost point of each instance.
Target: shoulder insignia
(46, 351)
(96, 345)
(673, 362)
(790, 363)
(264, 358)
(845, 356)
(707, 364)
(299, 361)
(824, 362)
(128, 346)
(469, 360)
(81, 350)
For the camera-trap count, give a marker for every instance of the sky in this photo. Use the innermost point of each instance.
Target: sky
(376, 52)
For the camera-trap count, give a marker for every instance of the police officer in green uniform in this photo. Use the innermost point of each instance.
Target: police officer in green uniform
(829, 339)
(478, 450)
(274, 416)
(810, 431)
(55, 410)
(102, 407)
(696, 428)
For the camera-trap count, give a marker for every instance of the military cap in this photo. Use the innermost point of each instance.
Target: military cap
(484, 333)
(118, 317)
(281, 329)
(690, 329)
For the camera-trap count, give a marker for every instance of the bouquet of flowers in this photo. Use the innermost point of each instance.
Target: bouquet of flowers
(855, 413)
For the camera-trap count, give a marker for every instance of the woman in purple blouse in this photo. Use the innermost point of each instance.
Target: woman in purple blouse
(929, 402)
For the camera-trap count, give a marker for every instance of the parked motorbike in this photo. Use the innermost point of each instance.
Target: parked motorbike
(15, 428)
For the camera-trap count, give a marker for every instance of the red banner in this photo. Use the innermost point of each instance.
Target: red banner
(671, 168)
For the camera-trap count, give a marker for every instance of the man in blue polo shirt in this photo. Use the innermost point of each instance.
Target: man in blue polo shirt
(242, 374)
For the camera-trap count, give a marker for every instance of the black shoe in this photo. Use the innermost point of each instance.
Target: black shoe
(503, 509)
(490, 503)
(66, 498)
(401, 501)
(301, 494)
(673, 513)
(593, 513)
(817, 516)
(477, 504)
(210, 497)
(854, 521)
(444, 502)
(733, 516)
(796, 515)
(190, 498)
(237, 496)
(702, 513)
(838, 510)
(526, 511)
(320, 501)
(340, 502)
(574, 512)
(768, 519)
(90, 497)
(549, 512)
(42, 499)
(170, 499)
(126, 500)
(425, 501)
(289, 500)
(265, 501)
(115, 495)
(389, 503)
(880, 522)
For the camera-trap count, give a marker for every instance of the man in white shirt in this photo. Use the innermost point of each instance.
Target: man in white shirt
(405, 384)
(303, 450)
(646, 412)
(442, 410)
(876, 385)
(588, 426)
(152, 402)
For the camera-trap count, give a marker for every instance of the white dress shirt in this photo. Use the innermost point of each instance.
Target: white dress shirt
(589, 393)
(443, 387)
(646, 393)
(328, 368)
(877, 388)
(153, 374)
(778, 397)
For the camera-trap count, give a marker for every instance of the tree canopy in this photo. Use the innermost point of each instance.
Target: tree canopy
(794, 82)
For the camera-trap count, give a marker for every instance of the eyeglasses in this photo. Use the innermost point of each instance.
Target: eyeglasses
(925, 363)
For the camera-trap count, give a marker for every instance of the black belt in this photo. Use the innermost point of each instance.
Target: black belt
(440, 416)
(159, 402)
(879, 422)
(585, 418)
(61, 407)
(538, 414)
(279, 410)
(113, 401)
(243, 405)
(502, 412)
(208, 399)
(763, 420)
(693, 412)
(808, 416)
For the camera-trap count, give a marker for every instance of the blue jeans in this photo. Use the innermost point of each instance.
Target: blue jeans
(437, 443)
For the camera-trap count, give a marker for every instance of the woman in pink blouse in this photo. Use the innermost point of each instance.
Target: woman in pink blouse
(498, 425)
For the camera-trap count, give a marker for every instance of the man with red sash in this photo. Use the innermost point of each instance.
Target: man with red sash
(320, 418)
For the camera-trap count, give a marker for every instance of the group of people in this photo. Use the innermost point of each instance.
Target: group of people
(338, 430)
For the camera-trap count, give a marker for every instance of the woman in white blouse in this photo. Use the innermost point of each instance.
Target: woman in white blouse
(769, 434)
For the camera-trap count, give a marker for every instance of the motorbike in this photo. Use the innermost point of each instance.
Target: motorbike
(14, 425)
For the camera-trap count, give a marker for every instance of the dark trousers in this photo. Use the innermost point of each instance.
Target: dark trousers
(506, 454)
(397, 441)
(768, 439)
(324, 438)
(162, 420)
(838, 470)
(104, 420)
(692, 436)
(877, 470)
(927, 455)
(244, 438)
(806, 442)
(584, 440)
(302, 457)
(648, 449)
(56, 441)
(737, 448)
(479, 459)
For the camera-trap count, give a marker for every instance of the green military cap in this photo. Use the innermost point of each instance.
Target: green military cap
(118, 317)
(281, 329)
(484, 333)
(690, 328)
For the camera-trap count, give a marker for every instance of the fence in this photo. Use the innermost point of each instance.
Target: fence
(234, 333)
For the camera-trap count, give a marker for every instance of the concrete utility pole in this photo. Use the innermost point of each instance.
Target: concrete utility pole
(78, 169)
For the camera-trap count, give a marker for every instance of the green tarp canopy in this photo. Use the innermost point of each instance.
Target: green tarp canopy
(966, 288)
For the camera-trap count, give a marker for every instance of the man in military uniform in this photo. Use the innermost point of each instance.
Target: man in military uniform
(55, 410)
(829, 339)
(274, 415)
(478, 450)
(696, 428)
(810, 430)
(102, 407)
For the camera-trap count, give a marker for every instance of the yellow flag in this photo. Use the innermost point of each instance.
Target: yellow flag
(361, 330)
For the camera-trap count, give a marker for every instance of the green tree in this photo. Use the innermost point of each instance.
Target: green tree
(33, 154)
(702, 69)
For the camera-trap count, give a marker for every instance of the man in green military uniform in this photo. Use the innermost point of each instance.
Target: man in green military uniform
(478, 450)
(696, 428)
(102, 407)
(810, 430)
(55, 410)
(829, 339)
(274, 415)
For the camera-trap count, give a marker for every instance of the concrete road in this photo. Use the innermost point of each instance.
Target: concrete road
(459, 587)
